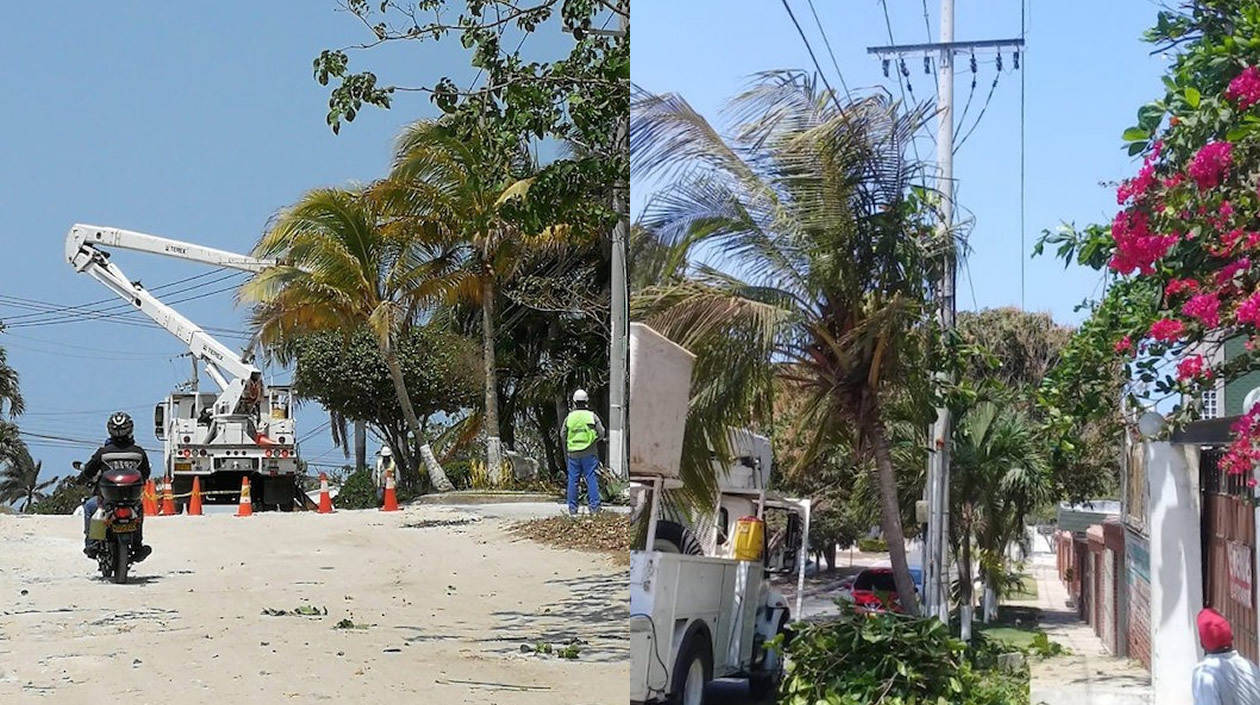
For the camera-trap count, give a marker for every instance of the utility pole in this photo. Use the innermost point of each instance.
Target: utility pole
(619, 345)
(935, 557)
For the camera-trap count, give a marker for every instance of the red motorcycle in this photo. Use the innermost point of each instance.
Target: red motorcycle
(121, 516)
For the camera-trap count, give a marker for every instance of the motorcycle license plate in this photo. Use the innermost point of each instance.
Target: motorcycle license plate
(124, 528)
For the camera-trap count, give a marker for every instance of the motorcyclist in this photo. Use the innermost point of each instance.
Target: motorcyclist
(119, 452)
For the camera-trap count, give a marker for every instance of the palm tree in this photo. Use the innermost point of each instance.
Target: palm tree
(345, 265)
(460, 183)
(19, 480)
(998, 474)
(825, 254)
(10, 394)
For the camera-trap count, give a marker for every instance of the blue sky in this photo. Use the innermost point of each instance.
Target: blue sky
(1088, 72)
(189, 120)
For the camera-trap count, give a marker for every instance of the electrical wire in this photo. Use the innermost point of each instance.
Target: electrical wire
(826, 42)
(114, 300)
(988, 99)
(67, 314)
(812, 57)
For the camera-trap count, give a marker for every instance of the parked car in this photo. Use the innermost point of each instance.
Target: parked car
(875, 589)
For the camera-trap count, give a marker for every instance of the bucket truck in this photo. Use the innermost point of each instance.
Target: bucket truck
(702, 605)
(212, 436)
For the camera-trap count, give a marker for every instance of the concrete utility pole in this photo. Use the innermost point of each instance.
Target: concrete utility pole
(936, 582)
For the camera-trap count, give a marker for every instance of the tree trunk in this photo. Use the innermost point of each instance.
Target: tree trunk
(360, 445)
(829, 553)
(890, 510)
(494, 449)
(437, 476)
(965, 580)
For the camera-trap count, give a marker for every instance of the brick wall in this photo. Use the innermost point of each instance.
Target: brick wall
(1138, 585)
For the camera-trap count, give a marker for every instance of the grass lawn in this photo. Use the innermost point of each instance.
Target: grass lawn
(1015, 626)
(1027, 589)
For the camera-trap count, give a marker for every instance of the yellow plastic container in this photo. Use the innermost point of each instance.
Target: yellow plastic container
(749, 538)
(96, 529)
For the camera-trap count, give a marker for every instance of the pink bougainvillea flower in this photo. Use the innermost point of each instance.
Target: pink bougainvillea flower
(1124, 345)
(1174, 181)
(1204, 307)
(1167, 329)
(1193, 367)
(1176, 286)
(1244, 90)
(1230, 270)
(1249, 310)
(1136, 247)
(1210, 165)
(1227, 209)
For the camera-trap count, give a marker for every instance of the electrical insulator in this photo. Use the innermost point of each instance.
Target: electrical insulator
(904, 71)
(999, 61)
(973, 62)
(885, 68)
(1016, 59)
(927, 64)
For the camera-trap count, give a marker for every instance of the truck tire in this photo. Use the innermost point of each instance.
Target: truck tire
(672, 537)
(764, 686)
(693, 670)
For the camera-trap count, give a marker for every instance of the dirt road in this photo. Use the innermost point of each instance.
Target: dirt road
(442, 602)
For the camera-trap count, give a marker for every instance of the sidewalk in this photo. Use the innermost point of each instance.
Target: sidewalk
(1089, 675)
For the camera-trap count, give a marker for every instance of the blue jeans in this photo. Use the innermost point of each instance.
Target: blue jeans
(584, 467)
(89, 508)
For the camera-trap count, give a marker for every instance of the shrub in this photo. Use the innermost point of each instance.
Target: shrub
(67, 497)
(859, 659)
(872, 545)
(357, 492)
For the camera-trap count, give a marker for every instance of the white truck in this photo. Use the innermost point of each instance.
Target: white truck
(204, 434)
(697, 613)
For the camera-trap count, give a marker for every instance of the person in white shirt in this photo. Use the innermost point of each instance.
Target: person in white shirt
(1224, 676)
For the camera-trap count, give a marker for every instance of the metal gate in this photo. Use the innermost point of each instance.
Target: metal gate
(1229, 549)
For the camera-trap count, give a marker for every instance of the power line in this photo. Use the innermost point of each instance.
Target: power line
(827, 43)
(114, 300)
(1023, 30)
(813, 58)
(55, 314)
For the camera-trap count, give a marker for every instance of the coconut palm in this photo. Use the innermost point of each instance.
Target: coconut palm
(459, 182)
(10, 394)
(824, 258)
(347, 264)
(19, 481)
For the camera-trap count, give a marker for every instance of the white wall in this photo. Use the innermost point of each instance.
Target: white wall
(1176, 574)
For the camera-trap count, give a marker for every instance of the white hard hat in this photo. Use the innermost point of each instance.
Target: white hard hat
(580, 395)
(385, 452)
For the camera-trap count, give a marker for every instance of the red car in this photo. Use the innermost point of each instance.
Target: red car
(875, 590)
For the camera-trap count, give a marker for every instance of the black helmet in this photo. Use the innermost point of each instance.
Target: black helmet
(120, 425)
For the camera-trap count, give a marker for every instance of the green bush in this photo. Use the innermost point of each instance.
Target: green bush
(357, 492)
(859, 659)
(872, 545)
(64, 500)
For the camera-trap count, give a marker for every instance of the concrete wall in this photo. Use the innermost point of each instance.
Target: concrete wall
(1175, 568)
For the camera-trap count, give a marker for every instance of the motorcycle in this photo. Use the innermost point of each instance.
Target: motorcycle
(116, 525)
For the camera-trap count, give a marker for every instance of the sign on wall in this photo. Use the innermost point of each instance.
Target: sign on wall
(1239, 573)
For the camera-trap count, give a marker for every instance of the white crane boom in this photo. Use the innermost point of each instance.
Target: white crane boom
(224, 366)
(81, 235)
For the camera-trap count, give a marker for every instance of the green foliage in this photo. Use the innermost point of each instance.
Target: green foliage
(872, 545)
(1045, 648)
(65, 498)
(860, 659)
(357, 492)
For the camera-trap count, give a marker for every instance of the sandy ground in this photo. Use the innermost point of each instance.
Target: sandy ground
(450, 603)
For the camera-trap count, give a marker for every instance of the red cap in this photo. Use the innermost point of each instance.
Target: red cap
(1214, 630)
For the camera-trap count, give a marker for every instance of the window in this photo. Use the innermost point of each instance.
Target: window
(1211, 405)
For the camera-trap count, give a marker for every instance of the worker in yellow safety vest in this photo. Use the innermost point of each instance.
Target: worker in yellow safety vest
(582, 431)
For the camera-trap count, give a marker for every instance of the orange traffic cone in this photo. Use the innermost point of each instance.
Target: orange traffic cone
(168, 500)
(391, 495)
(148, 499)
(246, 508)
(325, 499)
(194, 502)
